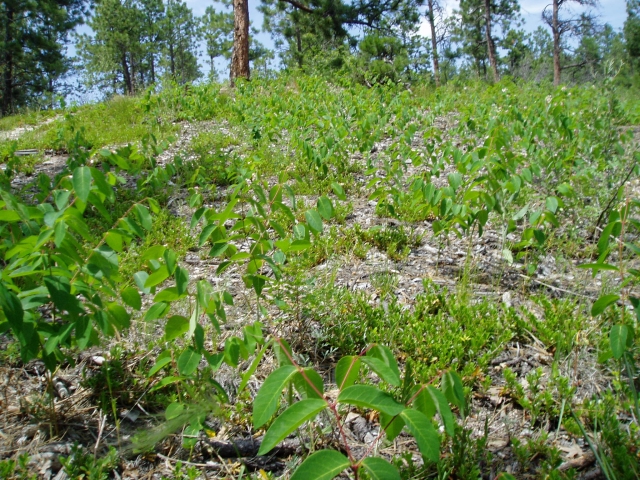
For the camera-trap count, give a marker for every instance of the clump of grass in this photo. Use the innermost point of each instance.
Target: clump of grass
(118, 121)
(437, 333)
(396, 242)
(336, 242)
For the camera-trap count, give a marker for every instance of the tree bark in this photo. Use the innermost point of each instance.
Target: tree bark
(555, 29)
(491, 48)
(7, 88)
(240, 57)
(299, 44)
(172, 58)
(127, 76)
(434, 45)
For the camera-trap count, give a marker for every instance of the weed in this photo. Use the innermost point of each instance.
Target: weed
(82, 464)
(467, 457)
(175, 235)
(396, 242)
(17, 470)
(437, 333)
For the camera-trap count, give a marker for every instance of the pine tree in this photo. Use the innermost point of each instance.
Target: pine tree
(179, 33)
(561, 27)
(217, 29)
(481, 27)
(32, 43)
(632, 33)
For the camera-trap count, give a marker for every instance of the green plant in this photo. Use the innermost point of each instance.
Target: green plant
(82, 464)
(412, 407)
(18, 470)
(394, 241)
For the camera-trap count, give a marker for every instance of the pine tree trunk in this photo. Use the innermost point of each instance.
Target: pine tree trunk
(299, 44)
(127, 77)
(172, 57)
(240, 57)
(491, 48)
(555, 28)
(434, 45)
(7, 87)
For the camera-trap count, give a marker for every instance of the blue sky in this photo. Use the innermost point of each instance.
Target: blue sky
(612, 12)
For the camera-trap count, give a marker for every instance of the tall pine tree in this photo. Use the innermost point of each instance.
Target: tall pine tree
(32, 42)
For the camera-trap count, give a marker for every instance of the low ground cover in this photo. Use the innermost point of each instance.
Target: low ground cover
(298, 278)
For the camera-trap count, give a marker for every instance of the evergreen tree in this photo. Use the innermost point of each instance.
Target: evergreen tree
(632, 33)
(179, 34)
(112, 57)
(217, 29)
(481, 26)
(32, 41)
(562, 27)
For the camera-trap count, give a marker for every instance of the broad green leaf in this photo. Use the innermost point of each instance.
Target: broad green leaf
(432, 399)
(339, 191)
(9, 216)
(289, 420)
(325, 208)
(122, 319)
(266, 402)
(322, 465)
(455, 180)
(206, 232)
(422, 430)
(303, 386)
(218, 249)
(60, 233)
(82, 182)
(131, 297)
(140, 278)
(507, 255)
(163, 359)
(635, 302)
(174, 410)
(188, 361)
(552, 204)
(379, 469)
(313, 219)
(61, 198)
(453, 391)
(142, 213)
(157, 277)
(618, 340)
(392, 425)
(114, 240)
(382, 361)
(12, 308)
(170, 259)
(596, 267)
(153, 253)
(602, 303)
(60, 292)
(347, 371)
(281, 355)
(157, 310)
(176, 326)
(182, 279)
(368, 396)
